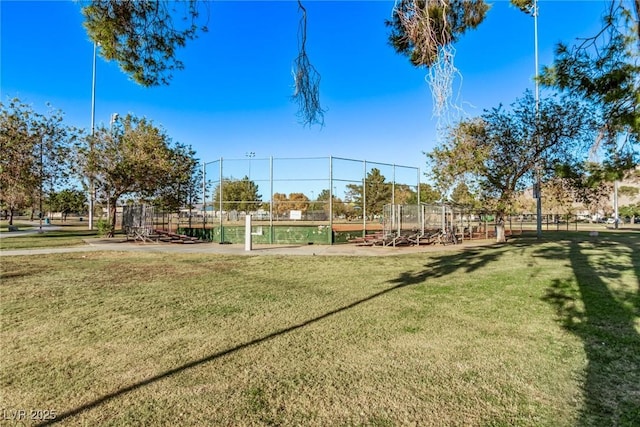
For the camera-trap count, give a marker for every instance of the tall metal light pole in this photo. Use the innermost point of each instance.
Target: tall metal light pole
(250, 155)
(114, 118)
(538, 187)
(93, 116)
(41, 179)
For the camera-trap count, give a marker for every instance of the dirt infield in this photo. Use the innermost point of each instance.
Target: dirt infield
(373, 226)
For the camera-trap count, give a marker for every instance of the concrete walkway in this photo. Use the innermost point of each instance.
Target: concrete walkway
(122, 245)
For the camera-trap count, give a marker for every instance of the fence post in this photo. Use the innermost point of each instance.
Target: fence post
(247, 233)
(364, 200)
(331, 196)
(271, 230)
(204, 195)
(221, 190)
(399, 219)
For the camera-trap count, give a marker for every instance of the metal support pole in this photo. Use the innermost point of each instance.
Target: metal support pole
(331, 200)
(420, 207)
(398, 216)
(221, 186)
(418, 184)
(247, 233)
(537, 84)
(271, 230)
(204, 197)
(41, 178)
(393, 186)
(112, 120)
(93, 115)
(364, 200)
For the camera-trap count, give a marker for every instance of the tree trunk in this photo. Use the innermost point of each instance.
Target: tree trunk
(500, 234)
(112, 217)
(11, 216)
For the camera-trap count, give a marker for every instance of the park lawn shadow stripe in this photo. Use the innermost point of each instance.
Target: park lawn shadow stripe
(472, 341)
(97, 402)
(588, 307)
(402, 282)
(445, 264)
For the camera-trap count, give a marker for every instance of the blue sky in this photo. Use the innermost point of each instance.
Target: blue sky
(233, 96)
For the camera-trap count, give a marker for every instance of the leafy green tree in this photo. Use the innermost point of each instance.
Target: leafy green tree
(17, 142)
(67, 201)
(427, 195)
(605, 71)
(35, 157)
(339, 207)
(591, 184)
(461, 195)
(324, 196)
(420, 29)
(193, 191)
(182, 187)
(426, 30)
(239, 195)
(629, 191)
(631, 211)
(376, 194)
(137, 159)
(143, 36)
(498, 151)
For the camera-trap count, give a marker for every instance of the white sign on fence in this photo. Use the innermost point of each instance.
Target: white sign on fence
(295, 215)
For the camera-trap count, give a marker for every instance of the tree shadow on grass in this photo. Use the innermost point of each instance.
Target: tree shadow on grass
(604, 317)
(469, 260)
(195, 363)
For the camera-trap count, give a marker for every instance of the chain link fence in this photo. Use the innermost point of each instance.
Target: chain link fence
(326, 200)
(313, 198)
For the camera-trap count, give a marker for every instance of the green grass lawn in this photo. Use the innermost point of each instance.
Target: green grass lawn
(48, 239)
(528, 333)
(4, 226)
(58, 234)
